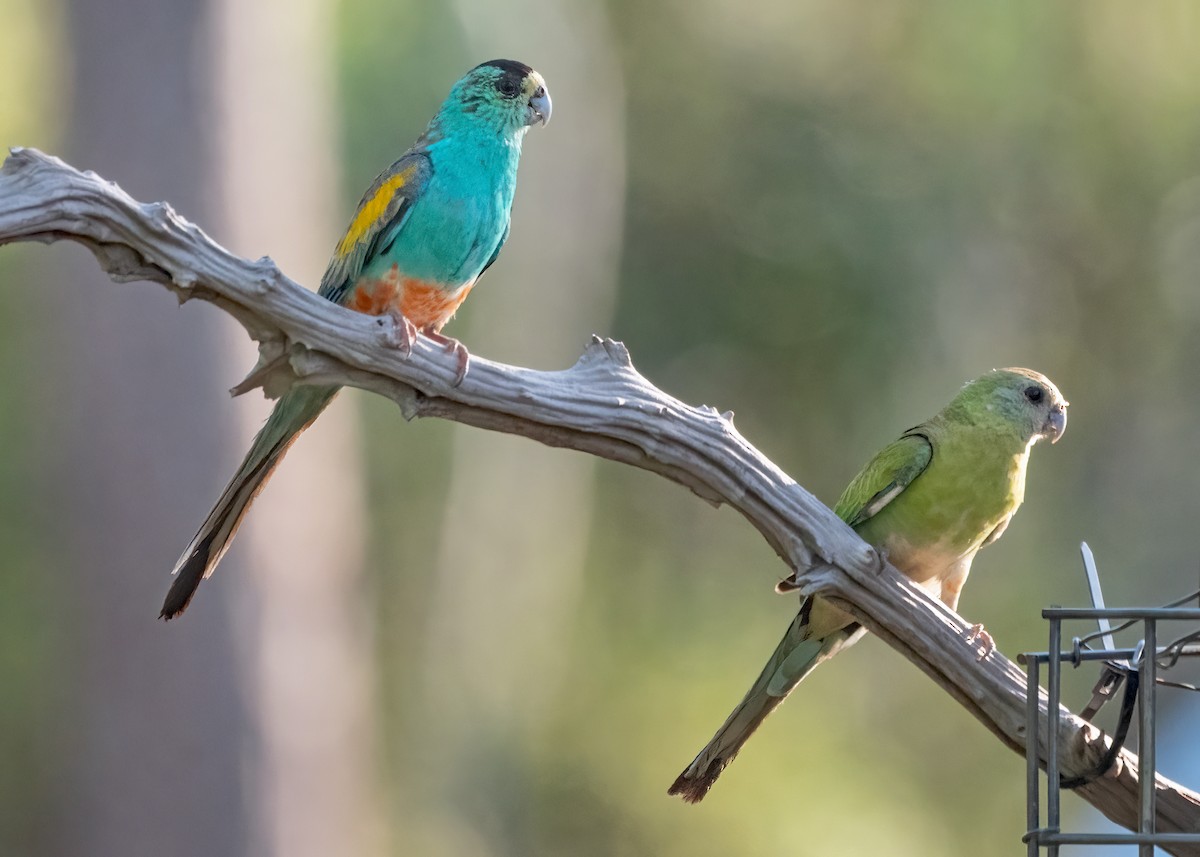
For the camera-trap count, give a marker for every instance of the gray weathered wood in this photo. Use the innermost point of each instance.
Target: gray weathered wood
(601, 405)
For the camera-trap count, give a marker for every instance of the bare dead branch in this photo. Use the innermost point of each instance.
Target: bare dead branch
(601, 405)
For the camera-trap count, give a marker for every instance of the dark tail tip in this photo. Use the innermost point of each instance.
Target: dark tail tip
(693, 787)
(187, 580)
(179, 596)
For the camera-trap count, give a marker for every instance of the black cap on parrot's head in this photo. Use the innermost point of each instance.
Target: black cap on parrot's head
(509, 86)
(518, 70)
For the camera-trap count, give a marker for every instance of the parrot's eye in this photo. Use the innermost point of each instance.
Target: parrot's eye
(1034, 394)
(508, 86)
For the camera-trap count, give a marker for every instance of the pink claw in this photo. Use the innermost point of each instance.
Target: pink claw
(403, 334)
(979, 634)
(453, 346)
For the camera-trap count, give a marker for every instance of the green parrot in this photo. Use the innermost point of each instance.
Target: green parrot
(423, 234)
(929, 501)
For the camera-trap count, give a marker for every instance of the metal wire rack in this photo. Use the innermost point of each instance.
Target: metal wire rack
(1141, 677)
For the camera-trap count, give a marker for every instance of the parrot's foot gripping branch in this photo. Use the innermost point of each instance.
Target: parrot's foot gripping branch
(452, 346)
(978, 634)
(403, 333)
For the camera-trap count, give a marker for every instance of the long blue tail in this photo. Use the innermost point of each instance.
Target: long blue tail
(293, 413)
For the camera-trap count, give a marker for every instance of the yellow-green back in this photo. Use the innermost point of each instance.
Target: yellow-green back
(933, 497)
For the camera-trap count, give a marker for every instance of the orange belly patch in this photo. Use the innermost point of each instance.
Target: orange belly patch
(427, 305)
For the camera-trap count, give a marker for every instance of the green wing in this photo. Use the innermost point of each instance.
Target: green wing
(377, 221)
(884, 478)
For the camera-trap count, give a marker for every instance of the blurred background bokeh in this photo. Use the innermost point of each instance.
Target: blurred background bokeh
(428, 640)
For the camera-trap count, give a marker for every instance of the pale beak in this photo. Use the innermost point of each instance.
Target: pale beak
(1056, 423)
(539, 107)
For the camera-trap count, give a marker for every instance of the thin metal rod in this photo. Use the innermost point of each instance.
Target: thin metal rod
(1189, 650)
(1148, 669)
(1033, 689)
(1053, 687)
(1121, 838)
(1139, 613)
(1093, 581)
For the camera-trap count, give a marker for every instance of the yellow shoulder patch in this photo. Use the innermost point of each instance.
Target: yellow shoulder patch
(371, 210)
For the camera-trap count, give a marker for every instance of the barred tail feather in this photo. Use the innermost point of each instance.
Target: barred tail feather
(292, 415)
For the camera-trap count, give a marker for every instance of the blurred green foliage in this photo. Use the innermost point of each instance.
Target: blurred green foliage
(30, 642)
(837, 213)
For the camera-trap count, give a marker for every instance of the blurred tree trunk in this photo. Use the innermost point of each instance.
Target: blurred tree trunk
(156, 719)
(310, 659)
(244, 727)
(517, 514)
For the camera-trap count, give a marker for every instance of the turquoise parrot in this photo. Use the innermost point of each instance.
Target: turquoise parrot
(424, 232)
(929, 501)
